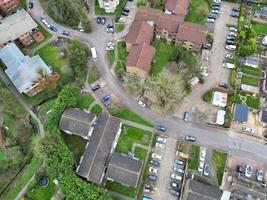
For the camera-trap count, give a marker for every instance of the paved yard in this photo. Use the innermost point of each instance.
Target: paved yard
(215, 70)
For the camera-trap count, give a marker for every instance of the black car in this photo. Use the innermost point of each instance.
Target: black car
(31, 5)
(67, 33)
(216, 7)
(103, 20)
(96, 87)
(53, 28)
(212, 16)
(230, 42)
(235, 9)
(126, 10)
(190, 138)
(110, 26)
(152, 177)
(155, 163)
(239, 169)
(234, 14)
(106, 98)
(216, 4)
(98, 20)
(107, 103)
(206, 46)
(230, 38)
(174, 192)
(124, 13)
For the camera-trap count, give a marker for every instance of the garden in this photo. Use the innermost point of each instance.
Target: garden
(198, 11)
(249, 81)
(251, 71)
(219, 158)
(194, 157)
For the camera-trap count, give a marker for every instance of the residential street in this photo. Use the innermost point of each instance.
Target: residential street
(177, 128)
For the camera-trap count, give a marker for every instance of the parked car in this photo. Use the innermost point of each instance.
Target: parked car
(142, 104)
(175, 185)
(186, 116)
(228, 65)
(67, 33)
(160, 145)
(53, 28)
(106, 98)
(233, 38)
(190, 138)
(201, 166)
(124, 13)
(110, 48)
(235, 9)
(179, 162)
(230, 47)
(223, 85)
(96, 87)
(210, 20)
(216, 7)
(122, 20)
(248, 170)
(176, 177)
(229, 56)
(156, 156)
(103, 20)
(31, 5)
(234, 14)
(212, 16)
(110, 30)
(207, 46)
(174, 192)
(248, 130)
(233, 29)
(126, 10)
(152, 177)
(161, 139)
(178, 170)
(155, 163)
(230, 42)
(161, 128)
(98, 20)
(153, 170)
(215, 12)
(206, 170)
(239, 169)
(107, 103)
(259, 175)
(234, 34)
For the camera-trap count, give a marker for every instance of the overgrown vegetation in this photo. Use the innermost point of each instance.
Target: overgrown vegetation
(251, 71)
(198, 11)
(96, 109)
(260, 29)
(208, 96)
(249, 81)
(117, 187)
(194, 155)
(219, 159)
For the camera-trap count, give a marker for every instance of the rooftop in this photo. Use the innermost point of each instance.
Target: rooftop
(76, 121)
(264, 116)
(179, 7)
(22, 70)
(241, 113)
(15, 25)
(95, 159)
(124, 169)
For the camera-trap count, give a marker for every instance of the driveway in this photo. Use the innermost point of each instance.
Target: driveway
(215, 70)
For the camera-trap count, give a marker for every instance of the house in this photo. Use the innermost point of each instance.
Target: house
(26, 73)
(191, 36)
(99, 149)
(124, 169)
(8, 5)
(201, 191)
(252, 61)
(139, 59)
(19, 28)
(75, 121)
(139, 32)
(108, 5)
(219, 99)
(240, 113)
(178, 7)
(220, 117)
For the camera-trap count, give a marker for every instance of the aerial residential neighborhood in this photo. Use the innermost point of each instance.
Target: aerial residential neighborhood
(133, 100)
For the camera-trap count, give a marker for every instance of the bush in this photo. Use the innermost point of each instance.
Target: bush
(207, 97)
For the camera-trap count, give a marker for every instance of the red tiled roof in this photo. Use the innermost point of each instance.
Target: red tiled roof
(139, 32)
(179, 7)
(141, 56)
(194, 33)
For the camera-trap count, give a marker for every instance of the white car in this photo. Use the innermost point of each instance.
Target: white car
(232, 29)
(176, 177)
(228, 56)
(122, 20)
(111, 44)
(248, 130)
(160, 145)
(142, 104)
(201, 166)
(156, 156)
(232, 34)
(153, 170)
(248, 171)
(259, 175)
(161, 139)
(202, 155)
(206, 170)
(210, 20)
(230, 47)
(110, 48)
(215, 11)
(110, 30)
(228, 65)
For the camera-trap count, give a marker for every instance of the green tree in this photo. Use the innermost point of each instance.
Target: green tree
(14, 157)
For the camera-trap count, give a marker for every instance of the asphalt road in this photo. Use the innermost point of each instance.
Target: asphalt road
(230, 141)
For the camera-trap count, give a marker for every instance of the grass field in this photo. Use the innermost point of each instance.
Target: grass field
(249, 81)
(164, 52)
(140, 153)
(119, 69)
(193, 11)
(117, 187)
(122, 53)
(251, 71)
(193, 160)
(260, 29)
(96, 109)
(219, 159)
(46, 107)
(126, 113)
(111, 57)
(85, 101)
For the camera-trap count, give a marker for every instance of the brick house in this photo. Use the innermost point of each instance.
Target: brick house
(8, 5)
(178, 7)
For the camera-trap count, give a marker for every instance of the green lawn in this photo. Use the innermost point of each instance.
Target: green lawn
(126, 113)
(46, 107)
(208, 96)
(27, 174)
(122, 53)
(111, 57)
(249, 81)
(44, 193)
(140, 153)
(76, 145)
(2, 156)
(119, 69)
(85, 101)
(117, 187)
(194, 155)
(119, 28)
(51, 56)
(260, 29)
(130, 135)
(93, 76)
(96, 109)
(253, 102)
(194, 9)
(251, 71)
(232, 78)
(219, 159)
(164, 52)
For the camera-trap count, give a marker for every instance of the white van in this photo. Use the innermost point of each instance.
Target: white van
(228, 65)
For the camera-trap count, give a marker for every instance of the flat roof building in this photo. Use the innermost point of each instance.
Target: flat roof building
(241, 113)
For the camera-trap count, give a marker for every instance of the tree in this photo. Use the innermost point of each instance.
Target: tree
(78, 56)
(202, 11)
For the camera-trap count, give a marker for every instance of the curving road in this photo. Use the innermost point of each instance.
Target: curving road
(230, 141)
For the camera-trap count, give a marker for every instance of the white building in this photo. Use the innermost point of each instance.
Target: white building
(108, 5)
